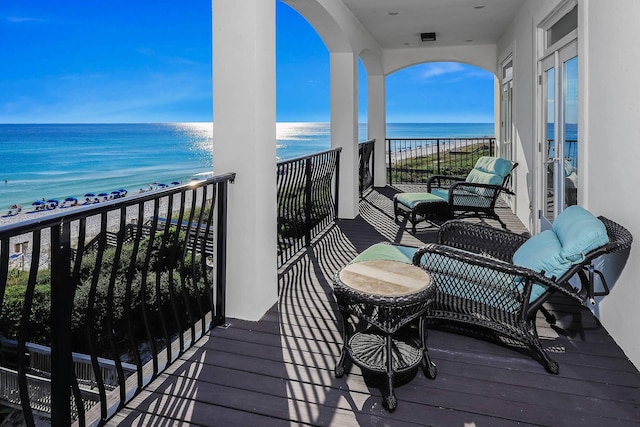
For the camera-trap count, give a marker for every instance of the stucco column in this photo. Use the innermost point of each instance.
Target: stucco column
(376, 127)
(344, 128)
(244, 135)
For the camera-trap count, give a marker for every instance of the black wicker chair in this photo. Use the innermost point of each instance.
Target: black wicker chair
(468, 197)
(447, 196)
(480, 289)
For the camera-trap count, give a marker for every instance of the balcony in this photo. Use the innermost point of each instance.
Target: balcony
(206, 369)
(279, 371)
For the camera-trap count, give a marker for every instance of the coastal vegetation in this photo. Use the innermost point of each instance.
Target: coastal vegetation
(117, 296)
(453, 162)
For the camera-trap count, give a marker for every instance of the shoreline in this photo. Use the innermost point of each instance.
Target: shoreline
(22, 258)
(427, 150)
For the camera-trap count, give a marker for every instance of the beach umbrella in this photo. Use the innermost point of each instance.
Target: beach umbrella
(37, 203)
(89, 195)
(56, 201)
(123, 192)
(175, 183)
(116, 194)
(70, 199)
(102, 194)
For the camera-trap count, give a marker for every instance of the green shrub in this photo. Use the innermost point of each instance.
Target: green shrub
(107, 306)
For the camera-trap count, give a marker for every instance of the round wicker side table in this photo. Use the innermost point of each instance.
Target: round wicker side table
(385, 296)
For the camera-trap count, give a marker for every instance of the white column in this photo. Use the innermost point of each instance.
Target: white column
(344, 128)
(377, 126)
(244, 138)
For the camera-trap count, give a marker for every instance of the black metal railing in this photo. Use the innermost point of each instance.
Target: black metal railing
(413, 160)
(570, 151)
(98, 300)
(307, 197)
(366, 170)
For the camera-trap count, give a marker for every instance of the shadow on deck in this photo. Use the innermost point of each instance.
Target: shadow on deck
(279, 371)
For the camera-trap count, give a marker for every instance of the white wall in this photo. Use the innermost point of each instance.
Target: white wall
(610, 64)
(609, 61)
(518, 40)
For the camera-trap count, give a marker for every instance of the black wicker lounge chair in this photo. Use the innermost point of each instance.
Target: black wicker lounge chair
(481, 290)
(476, 194)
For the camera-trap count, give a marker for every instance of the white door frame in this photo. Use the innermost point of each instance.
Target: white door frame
(552, 57)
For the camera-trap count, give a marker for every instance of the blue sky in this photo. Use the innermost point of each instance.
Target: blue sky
(131, 61)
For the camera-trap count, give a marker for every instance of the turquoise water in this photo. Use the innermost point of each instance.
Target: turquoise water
(68, 160)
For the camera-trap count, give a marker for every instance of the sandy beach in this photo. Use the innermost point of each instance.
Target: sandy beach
(426, 150)
(21, 246)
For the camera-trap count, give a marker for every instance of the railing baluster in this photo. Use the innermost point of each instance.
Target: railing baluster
(91, 318)
(163, 245)
(185, 250)
(61, 309)
(221, 256)
(307, 202)
(24, 326)
(144, 275)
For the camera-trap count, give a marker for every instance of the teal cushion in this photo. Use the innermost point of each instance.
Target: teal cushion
(494, 165)
(411, 199)
(542, 252)
(468, 281)
(490, 170)
(443, 193)
(579, 233)
(480, 177)
(381, 251)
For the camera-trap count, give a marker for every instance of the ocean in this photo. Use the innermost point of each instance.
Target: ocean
(56, 161)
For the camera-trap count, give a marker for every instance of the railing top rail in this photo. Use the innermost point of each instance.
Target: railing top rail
(42, 222)
(461, 138)
(368, 141)
(297, 159)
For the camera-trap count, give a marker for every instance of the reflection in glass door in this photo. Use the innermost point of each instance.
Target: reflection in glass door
(570, 123)
(560, 165)
(549, 182)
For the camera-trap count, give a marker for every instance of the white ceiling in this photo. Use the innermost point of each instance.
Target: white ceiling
(455, 22)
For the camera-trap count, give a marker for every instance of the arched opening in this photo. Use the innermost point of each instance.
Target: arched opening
(440, 120)
(441, 92)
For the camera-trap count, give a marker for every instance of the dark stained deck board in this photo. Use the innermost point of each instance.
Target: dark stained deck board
(279, 371)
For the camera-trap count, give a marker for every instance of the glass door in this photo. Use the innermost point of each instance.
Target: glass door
(558, 144)
(506, 124)
(560, 133)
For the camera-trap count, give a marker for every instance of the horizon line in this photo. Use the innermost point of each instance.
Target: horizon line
(203, 122)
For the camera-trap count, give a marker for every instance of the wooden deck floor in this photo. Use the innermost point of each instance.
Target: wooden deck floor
(279, 371)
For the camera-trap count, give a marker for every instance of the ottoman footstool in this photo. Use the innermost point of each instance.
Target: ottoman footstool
(418, 207)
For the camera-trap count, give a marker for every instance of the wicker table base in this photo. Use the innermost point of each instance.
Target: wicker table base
(368, 349)
(387, 296)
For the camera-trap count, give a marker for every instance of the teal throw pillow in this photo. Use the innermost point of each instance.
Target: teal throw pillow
(579, 233)
(542, 252)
